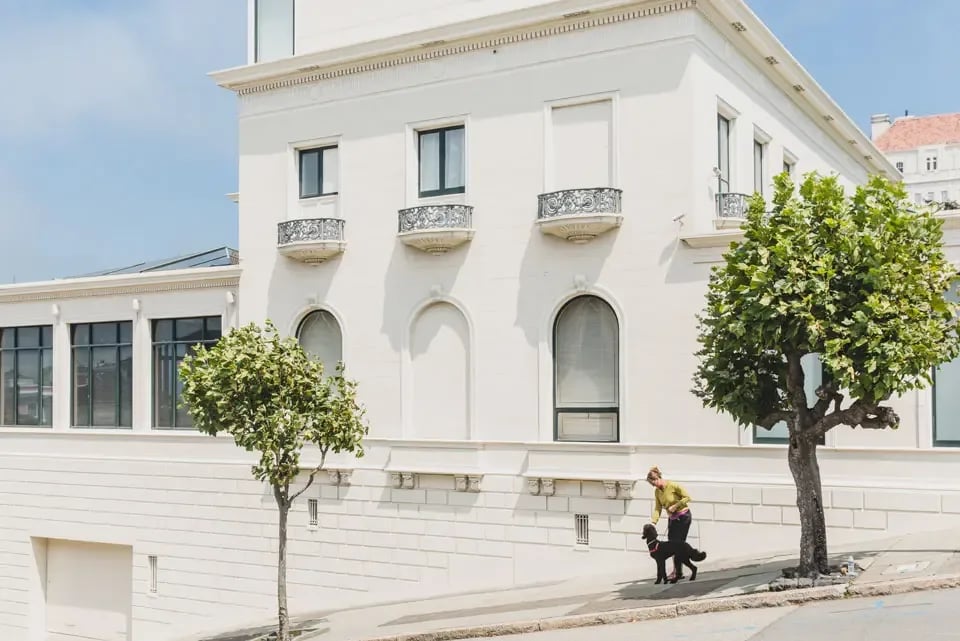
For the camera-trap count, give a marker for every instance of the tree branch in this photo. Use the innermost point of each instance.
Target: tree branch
(863, 414)
(313, 474)
(773, 418)
(827, 394)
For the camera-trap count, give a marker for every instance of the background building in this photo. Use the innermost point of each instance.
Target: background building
(502, 216)
(926, 150)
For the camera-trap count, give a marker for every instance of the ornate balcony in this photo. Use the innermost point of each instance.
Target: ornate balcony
(311, 240)
(731, 209)
(436, 229)
(579, 215)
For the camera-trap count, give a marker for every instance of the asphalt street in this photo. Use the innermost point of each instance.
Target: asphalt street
(926, 615)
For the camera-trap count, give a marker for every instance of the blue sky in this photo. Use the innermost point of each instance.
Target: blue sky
(115, 147)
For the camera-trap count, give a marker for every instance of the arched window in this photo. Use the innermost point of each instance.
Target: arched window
(586, 371)
(319, 335)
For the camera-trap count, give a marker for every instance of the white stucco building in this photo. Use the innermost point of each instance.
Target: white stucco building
(926, 150)
(502, 216)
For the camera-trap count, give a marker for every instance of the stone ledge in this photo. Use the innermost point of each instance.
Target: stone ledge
(685, 608)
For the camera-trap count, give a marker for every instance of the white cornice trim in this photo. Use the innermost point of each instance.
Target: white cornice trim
(744, 29)
(484, 33)
(167, 281)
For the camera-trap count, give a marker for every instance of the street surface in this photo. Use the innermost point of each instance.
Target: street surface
(919, 615)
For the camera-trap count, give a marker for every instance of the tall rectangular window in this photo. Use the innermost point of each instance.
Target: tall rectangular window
(946, 400)
(26, 375)
(319, 172)
(931, 163)
(173, 340)
(900, 166)
(102, 374)
(759, 159)
(723, 154)
(812, 379)
(582, 142)
(273, 29)
(442, 161)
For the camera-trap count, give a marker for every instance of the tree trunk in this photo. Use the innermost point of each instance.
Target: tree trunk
(283, 505)
(802, 456)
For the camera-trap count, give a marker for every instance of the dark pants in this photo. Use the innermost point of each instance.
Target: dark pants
(677, 530)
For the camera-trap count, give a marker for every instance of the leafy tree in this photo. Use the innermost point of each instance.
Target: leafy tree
(273, 399)
(859, 281)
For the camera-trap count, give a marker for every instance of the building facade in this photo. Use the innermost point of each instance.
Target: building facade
(926, 150)
(502, 216)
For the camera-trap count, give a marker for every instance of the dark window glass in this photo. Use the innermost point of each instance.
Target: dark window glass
(318, 172)
(102, 382)
(172, 341)
(442, 161)
(26, 392)
(586, 371)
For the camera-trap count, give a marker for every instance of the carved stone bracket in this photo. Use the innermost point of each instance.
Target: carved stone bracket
(467, 483)
(339, 477)
(613, 489)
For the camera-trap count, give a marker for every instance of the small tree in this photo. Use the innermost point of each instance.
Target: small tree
(860, 282)
(273, 399)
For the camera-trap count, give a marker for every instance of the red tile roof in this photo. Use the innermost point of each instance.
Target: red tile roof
(917, 131)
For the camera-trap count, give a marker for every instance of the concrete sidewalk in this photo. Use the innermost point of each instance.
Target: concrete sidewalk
(919, 561)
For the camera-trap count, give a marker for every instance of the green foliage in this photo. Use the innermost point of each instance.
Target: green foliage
(859, 280)
(273, 399)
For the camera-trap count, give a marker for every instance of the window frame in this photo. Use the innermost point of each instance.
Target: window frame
(935, 442)
(321, 152)
(724, 160)
(17, 351)
(256, 30)
(443, 190)
(596, 409)
(759, 166)
(173, 342)
(931, 162)
(89, 346)
(298, 332)
(899, 165)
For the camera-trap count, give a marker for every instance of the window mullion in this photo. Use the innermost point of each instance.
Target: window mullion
(441, 168)
(16, 385)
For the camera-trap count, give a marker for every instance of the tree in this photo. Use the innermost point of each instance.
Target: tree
(273, 399)
(861, 282)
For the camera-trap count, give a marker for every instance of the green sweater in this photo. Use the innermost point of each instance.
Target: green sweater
(671, 494)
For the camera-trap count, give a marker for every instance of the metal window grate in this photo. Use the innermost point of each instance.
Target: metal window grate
(152, 562)
(582, 525)
(312, 512)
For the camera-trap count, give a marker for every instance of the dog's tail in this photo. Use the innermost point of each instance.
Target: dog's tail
(698, 555)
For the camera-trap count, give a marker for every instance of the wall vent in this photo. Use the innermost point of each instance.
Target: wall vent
(152, 562)
(581, 524)
(314, 520)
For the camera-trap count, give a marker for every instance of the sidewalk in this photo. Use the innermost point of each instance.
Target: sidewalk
(919, 561)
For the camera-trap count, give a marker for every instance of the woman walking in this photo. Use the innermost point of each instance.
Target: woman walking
(670, 495)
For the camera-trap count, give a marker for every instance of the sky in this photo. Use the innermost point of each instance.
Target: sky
(116, 148)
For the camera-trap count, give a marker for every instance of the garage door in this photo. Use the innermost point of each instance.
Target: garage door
(89, 588)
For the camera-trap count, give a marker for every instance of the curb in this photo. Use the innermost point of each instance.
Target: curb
(684, 608)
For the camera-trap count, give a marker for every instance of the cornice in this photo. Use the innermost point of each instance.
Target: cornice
(172, 281)
(316, 67)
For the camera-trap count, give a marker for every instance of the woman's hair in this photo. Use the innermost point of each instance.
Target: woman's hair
(654, 474)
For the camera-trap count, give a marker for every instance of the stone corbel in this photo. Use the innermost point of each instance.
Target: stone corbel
(403, 480)
(339, 477)
(625, 489)
(467, 482)
(541, 487)
(473, 483)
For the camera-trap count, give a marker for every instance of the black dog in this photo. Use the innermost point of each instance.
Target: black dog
(663, 550)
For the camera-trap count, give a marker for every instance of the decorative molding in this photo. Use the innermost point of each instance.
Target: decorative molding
(261, 78)
(108, 286)
(467, 483)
